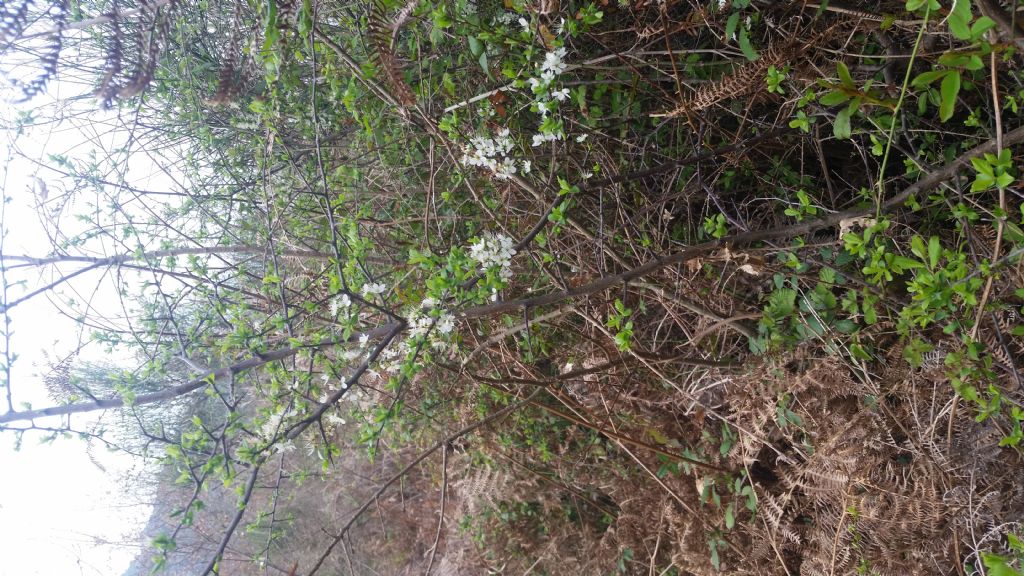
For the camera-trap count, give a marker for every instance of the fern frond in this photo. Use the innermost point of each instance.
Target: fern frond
(381, 32)
(13, 16)
(228, 88)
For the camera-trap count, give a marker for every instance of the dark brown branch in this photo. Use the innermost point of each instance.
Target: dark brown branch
(191, 386)
(930, 181)
(243, 505)
(194, 251)
(294, 432)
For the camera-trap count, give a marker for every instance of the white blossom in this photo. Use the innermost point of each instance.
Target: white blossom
(527, 166)
(340, 302)
(371, 289)
(544, 137)
(445, 323)
(419, 325)
(363, 339)
(553, 62)
(561, 95)
(271, 426)
(494, 251)
(581, 137)
(505, 169)
(505, 18)
(492, 153)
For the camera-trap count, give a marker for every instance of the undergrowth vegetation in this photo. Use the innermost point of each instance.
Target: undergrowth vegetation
(669, 287)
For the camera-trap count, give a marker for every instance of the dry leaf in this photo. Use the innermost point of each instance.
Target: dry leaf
(547, 36)
(848, 224)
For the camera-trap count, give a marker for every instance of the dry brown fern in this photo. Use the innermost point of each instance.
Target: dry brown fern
(48, 54)
(750, 78)
(58, 380)
(382, 32)
(106, 93)
(149, 45)
(13, 16)
(228, 86)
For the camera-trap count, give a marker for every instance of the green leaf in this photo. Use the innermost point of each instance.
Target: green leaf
(974, 63)
(483, 64)
(1016, 542)
(657, 436)
(306, 18)
(917, 246)
(984, 24)
(982, 167)
(934, 251)
(842, 128)
(926, 78)
(730, 25)
(476, 47)
(440, 16)
(958, 19)
(448, 83)
(833, 98)
(949, 91)
(997, 565)
(844, 75)
(745, 46)
(904, 263)
(1013, 233)
(730, 517)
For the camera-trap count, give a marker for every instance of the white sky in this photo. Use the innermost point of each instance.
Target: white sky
(59, 514)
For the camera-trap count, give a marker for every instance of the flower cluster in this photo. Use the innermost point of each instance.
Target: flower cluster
(340, 302)
(494, 251)
(553, 64)
(420, 325)
(493, 153)
(370, 289)
(547, 96)
(327, 378)
(334, 420)
(276, 424)
(428, 322)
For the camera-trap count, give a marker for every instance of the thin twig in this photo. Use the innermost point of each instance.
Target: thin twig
(440, 520)
(405, 470)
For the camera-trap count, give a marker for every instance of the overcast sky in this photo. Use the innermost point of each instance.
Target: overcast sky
(59, 513)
